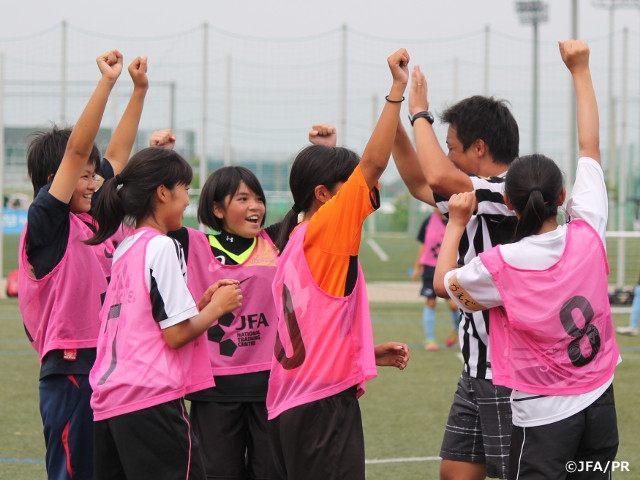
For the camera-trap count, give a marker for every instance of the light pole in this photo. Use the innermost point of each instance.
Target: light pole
(533, 12)
(611, 5)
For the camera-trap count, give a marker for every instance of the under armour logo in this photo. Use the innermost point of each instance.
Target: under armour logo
(229, 239)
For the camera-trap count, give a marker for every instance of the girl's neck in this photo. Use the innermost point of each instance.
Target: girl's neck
(234, 243)
(548, 226)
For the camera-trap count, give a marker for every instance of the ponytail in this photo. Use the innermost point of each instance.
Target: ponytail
(108, 212)
(289, 222)
(129, 196)
(533, 186)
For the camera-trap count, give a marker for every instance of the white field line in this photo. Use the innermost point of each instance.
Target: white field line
(378, 250)
(401, 460)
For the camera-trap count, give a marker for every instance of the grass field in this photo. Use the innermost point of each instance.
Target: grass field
(404, 413)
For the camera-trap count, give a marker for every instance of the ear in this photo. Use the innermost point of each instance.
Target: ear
(507, 202)
(218, 211)
(562, 197)
(322, 194)
(480, 148)
(162, 193)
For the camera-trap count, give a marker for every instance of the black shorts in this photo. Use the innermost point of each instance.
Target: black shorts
(234, 439)
(563, 449)
(427, 282)
(479, 425)
(321, 440)
(155, 442)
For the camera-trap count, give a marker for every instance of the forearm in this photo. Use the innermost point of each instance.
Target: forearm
(408, 164)
(188, 330)
(124, 136)
(587, 113)
(443, 177)
(84, 132)
(378, 150)
(448, 256)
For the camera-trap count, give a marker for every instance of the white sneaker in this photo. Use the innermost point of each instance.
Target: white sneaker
(627, 331)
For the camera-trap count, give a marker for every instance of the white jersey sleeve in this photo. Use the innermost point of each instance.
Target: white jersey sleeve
(476, 279)
(167, 282)
(589, 200)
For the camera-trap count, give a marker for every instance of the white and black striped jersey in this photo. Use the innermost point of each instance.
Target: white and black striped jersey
(493, 224)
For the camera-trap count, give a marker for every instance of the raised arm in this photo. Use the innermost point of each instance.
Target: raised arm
(84, 132)
(119, 148)
(408, 164)
(575, 55)
(461, 207)
(378, 150)
(443, 177)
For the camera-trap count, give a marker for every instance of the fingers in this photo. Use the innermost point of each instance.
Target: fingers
(574, 53)
(399, 65)
(110, 58)
(403, 356)
(162, 138)
(323, 134)
(418, 93)
(110, 64)
(322, 129)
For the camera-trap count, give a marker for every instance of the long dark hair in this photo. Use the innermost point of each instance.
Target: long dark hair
(128, 197)
(225, 181)
(314, 165)
(533, 185)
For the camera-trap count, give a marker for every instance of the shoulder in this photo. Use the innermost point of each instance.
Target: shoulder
(162, 244)
(48, 220)
(272, 231)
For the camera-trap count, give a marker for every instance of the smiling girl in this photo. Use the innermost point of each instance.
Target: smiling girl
(230, 419)
(151, 347)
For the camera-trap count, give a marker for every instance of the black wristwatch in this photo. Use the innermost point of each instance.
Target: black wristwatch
(424, 114)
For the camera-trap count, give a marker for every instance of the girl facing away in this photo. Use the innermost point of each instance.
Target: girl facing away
(324, 350)
(230, 419)
(151, 348)
(552, 338)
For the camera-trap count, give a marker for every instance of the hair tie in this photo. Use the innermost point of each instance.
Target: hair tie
(534, 189)
(296, 208)
(119, 182)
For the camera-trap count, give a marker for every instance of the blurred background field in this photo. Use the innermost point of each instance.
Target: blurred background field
(404, 413)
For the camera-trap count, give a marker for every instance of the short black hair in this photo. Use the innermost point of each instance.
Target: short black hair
(488, 119)
(225, 181)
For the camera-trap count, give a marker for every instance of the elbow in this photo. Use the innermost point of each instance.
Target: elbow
(174, 338)
(438, 184)
(175, 344)
(440, 290)
(438, 286)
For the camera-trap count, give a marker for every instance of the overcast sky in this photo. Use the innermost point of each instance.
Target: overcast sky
(294, 18)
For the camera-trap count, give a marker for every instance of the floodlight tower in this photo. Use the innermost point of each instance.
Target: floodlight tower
(611, 5)
(533, 12)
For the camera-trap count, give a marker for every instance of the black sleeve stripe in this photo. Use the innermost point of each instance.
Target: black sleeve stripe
(182, 236)
(157, 302)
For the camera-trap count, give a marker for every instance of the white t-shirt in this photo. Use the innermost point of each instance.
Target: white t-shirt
(166, 271)
(588, 202)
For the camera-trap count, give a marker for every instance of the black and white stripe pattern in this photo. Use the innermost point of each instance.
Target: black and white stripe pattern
(493, 224)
